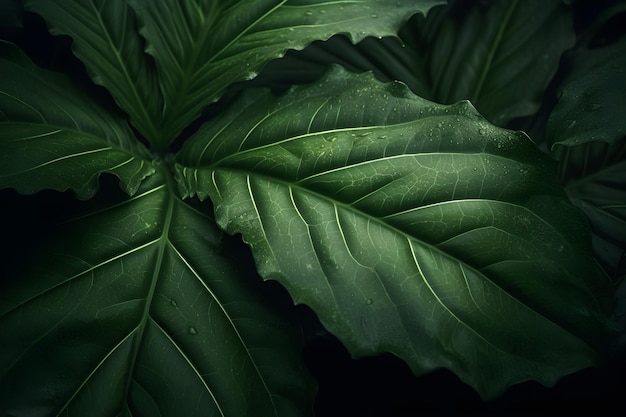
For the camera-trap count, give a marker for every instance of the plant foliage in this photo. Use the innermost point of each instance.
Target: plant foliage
(391, 199)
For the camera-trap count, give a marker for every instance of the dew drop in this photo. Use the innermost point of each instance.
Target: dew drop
(369, 301)
(481, 131)
(173, 302)
(308, 13)
(374, 15)
(382, 137)
(192, 330)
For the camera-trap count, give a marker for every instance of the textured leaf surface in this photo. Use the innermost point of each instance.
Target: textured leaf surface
(53, 136)
(106, 39)
(587, 134)
(486, 52)
(202, 47)
(130, 310)
(409, 227)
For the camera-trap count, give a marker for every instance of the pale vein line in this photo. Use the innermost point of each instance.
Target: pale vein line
(417, 264)
(191, 365)
(52, 161)
(75, 276)
(97, 367)
(227, 316)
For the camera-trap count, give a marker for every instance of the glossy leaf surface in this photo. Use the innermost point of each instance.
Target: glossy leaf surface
(200, 48)
(131, 310)
(485, 52)
(409, 227)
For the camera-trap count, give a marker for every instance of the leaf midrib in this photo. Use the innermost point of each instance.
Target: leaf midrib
(410, 238)
(162, 246)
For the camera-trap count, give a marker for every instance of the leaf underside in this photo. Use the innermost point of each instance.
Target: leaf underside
(409, 227)
(135, 312)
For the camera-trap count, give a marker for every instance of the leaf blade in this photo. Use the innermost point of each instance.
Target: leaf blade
(138, 298)
(389, 218)
(54, 137)
(106, 40)
(202, 48)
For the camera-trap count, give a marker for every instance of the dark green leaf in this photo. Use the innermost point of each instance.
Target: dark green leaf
(52, 136)
(486, 52)
(132, 310)
(202, 47)
(409, 227)
(107, 41)
(586, 132)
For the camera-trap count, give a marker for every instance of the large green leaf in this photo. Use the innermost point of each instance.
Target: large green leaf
(131, 310)
(487, 52)
(53, 136)
(587, 133)
(408, 227)
(107, 41)
(202, 47)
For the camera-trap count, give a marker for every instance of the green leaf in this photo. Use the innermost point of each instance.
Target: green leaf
(201, 48)
(586, 132)
(486, 52)
(106, 40)
(52, 136)
(130, 309)
(591, 100)
(409, 227)
(490, 52)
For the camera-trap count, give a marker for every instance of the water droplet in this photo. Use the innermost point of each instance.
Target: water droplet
(440, 125)
(364, 134)
(474, 169)
(330, 138)
(374, 15)
(192, 330)
(481, 131)
(369, 301)
(308, 13)
(382, 137)
(173, 302)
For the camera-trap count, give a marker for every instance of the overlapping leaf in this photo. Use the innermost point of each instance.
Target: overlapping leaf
(586, 131)
(53, 136)
(409, 227)
(486, 52)
(106, 39)
(133, 311)
(203, 47)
